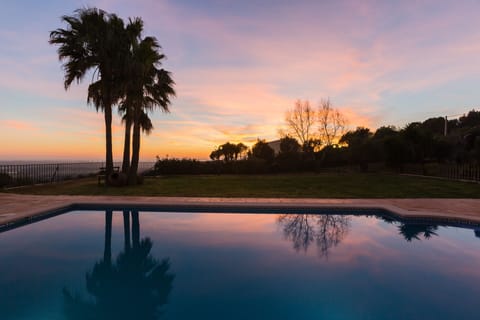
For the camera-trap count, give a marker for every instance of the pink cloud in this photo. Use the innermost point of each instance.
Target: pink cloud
(237, 74)
(19, 125)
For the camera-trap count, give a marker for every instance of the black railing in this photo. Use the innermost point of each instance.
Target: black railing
(460, 172)
(466, 172)
(12, 175)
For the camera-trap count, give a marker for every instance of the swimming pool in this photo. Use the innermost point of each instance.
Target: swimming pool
(109, 263)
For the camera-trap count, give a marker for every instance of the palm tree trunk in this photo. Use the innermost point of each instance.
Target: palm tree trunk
(108, 140)
(107, 251)
(126, 146)
(132, 176)
(126, 230)
(135, 229)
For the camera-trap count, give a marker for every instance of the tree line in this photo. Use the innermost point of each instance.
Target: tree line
(317, 138)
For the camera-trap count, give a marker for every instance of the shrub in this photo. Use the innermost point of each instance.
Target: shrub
(5, 180)
(117, 179)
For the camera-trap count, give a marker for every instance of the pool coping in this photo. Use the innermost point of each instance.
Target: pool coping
(22, 209)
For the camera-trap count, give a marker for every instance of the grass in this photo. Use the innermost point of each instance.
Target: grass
(326, 185)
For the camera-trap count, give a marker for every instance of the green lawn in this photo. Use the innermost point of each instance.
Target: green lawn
(281, 185)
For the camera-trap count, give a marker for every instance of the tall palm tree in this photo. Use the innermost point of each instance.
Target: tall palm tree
(127, 120)
(147, 87)
(146, 126)
(94, 41)
(133, 32)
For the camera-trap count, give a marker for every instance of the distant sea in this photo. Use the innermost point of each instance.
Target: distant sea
(28, 172)
(19, 162)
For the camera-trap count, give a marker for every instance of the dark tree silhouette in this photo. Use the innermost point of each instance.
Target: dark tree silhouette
(261, 150)
(360, 147)
(229, 151)
(327, 231)
(300, 122)
(94, 40)
(147, 87)
(331, 123)
(126, 68)
(289, 145)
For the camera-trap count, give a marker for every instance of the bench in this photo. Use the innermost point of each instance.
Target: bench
(102, 174)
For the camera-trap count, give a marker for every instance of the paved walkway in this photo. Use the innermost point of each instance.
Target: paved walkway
(15, 207)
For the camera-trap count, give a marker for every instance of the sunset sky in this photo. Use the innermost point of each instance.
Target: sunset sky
(239, 65)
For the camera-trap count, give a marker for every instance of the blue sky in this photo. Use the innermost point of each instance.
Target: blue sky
(239, 65)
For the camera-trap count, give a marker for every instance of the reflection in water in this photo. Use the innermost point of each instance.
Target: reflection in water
(134, 287)
(237, 266)
(325, 229)
(412, 231)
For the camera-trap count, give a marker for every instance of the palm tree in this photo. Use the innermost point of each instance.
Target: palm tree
(94, 41)
(146, 126)
(147, 87)
(133, 31)
(127, 121)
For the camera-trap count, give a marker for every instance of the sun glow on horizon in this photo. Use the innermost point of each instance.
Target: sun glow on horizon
(238, 68)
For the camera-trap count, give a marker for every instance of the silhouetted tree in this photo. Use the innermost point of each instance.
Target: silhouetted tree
(359, 146)
(240, 149)
(126, 68)
(215, 154)
(229, 151)
(289, 158)
(261, 150)
(420, 142)
(385, 132)
(300, 122)
(146, 127)
(331, 123)
(471, 119)
(148, 87)
(289, 145)
(476, 149)
(312, 145)
(397, 152)
(94, 40)
(434, 126)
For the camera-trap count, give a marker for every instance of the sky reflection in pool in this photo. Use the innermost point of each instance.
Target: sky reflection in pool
(130, 265)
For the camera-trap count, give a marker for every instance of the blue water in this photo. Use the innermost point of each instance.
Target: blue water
(237, 266)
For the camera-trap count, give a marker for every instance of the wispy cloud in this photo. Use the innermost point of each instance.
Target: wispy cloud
(239, 65)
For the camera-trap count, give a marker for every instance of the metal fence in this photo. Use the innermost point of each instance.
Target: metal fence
(12, 175)
(466, 172)
(460, 172)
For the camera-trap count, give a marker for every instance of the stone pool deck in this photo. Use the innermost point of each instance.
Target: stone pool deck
(15, 207)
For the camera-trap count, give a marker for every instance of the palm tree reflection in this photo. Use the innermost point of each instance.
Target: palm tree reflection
(325, 230)
(136, 286)
(412, 231)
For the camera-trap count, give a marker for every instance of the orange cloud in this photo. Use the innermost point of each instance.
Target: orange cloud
(18, 125)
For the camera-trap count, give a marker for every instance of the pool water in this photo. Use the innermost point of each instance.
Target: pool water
(177, 265)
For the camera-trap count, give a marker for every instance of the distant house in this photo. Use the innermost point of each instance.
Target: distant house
(275, 145)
